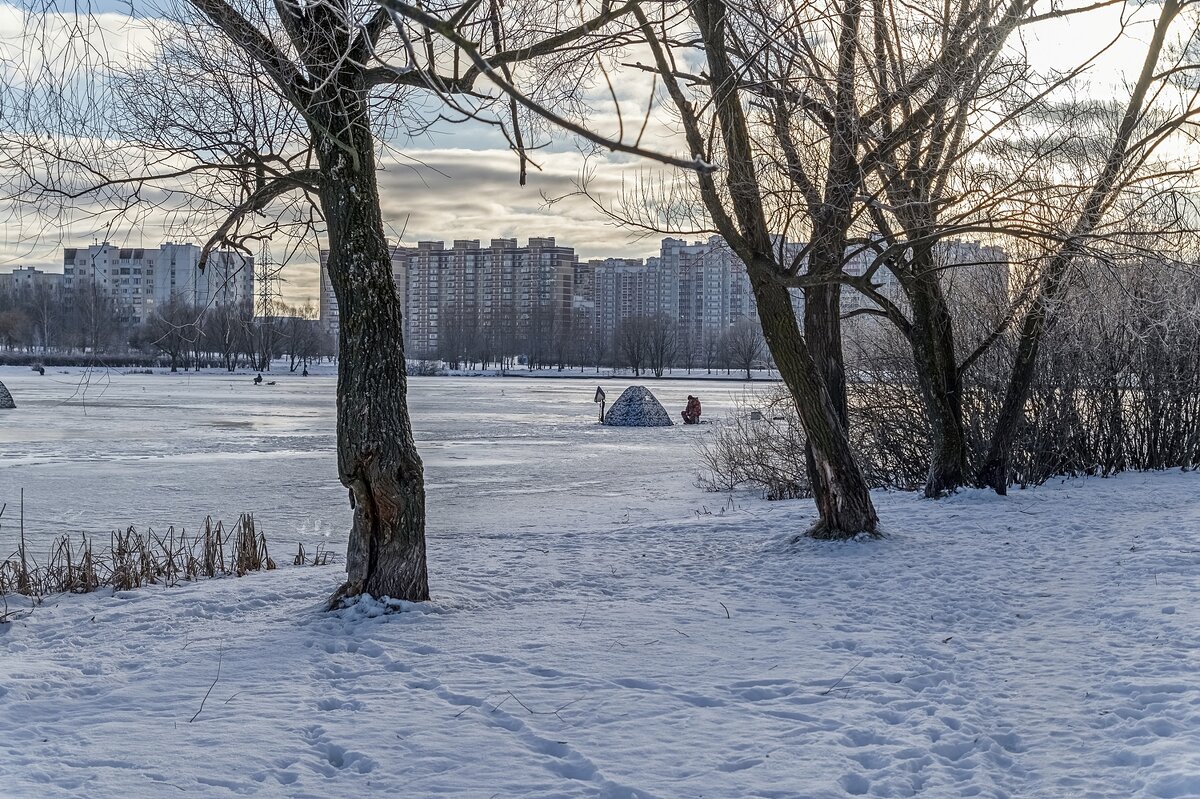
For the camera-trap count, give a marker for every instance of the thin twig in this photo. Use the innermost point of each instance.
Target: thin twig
(844, 676)
(220, 657)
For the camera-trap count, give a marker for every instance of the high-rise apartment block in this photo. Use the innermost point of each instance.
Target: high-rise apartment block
(520, 289)
(140, 279)
(523, 294)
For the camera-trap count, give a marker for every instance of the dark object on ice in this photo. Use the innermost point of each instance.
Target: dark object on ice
(756, 416)
(6, 400)
(691, 414)
(37, 367)
(258, 379)
(600, 399)
(271, 383)
(637, 407)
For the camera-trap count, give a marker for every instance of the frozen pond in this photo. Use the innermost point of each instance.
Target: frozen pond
(102, 450)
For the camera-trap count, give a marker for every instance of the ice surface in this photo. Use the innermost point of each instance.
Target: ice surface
(100, 451)
(995, 647)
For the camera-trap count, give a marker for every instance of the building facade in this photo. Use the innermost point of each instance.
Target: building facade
(28, 279)
(521, 293)
(140, 280)
(506, 298)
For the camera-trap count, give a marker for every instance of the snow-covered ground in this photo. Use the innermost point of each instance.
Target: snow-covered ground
(589, 640)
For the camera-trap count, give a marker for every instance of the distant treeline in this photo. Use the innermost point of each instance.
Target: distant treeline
(86, 327)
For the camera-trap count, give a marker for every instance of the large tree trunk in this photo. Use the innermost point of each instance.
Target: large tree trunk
(377, 457)
(940, 384)
(823, 333)
(844, 501)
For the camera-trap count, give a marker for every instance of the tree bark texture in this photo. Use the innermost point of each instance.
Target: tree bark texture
(377, 457)
(823, 334)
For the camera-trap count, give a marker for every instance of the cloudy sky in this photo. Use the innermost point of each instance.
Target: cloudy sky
(461, 182)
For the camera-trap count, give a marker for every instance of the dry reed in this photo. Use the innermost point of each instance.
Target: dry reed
(133, 559)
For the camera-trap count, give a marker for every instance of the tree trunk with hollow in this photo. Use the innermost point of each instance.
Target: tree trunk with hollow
(844, 500)
(377, 457)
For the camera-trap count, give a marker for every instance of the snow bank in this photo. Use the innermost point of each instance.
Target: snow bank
(991, 647)
(637, 407)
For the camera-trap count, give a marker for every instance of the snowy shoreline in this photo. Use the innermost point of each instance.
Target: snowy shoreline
(1042, 645)
(281, 371)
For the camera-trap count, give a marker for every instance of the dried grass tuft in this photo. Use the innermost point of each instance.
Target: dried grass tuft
(134, 559)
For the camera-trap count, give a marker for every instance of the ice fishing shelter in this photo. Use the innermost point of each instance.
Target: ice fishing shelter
(637, 407)
(6, 400)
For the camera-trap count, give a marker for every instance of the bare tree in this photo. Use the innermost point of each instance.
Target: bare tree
(174, 329)
(253, 107)
(1002, 158)
(634, 338)
(734, 202)
(745, 344)
(662, 343)
(15, 329)
(224, 328)
(1127, 148)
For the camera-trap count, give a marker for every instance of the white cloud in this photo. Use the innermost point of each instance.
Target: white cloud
(440, 194)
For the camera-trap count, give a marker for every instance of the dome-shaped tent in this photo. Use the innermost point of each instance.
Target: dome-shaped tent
(637, 407)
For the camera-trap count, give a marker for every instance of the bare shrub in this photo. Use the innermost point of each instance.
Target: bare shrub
(760, 443)
(1117, 388)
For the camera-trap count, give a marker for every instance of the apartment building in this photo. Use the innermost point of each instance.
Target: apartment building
(140, 280)
(524, 290)
(620, 288)
(519, 295)
(25, 279)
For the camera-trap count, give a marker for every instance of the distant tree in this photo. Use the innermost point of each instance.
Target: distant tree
(173, 329)
(690, 346)
(94, 320)
(458, 328)
(15, 328)
(711, 343)
(745, 345)
(595, 345)
(662, 343)
(45, 308)
(223, 330)
(634, 343)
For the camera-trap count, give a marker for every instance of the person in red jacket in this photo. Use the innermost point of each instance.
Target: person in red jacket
(691, 414)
